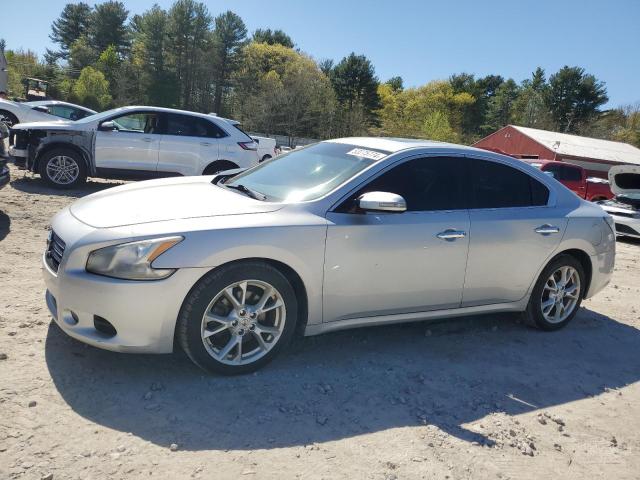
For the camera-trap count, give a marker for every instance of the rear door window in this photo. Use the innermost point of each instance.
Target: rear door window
(187, 126)
(495, 185)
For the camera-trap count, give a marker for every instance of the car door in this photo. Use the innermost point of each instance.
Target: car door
(390, 263)
(574, 179)
(513, 232)
(189, 144)
(132, 145)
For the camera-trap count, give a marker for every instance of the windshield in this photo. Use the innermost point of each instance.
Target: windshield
(307, 173)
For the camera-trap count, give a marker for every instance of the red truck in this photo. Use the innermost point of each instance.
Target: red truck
(575, 179)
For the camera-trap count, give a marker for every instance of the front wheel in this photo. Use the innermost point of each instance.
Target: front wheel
(8, 118)
(238, 318)
(62, 168)
(557, 294)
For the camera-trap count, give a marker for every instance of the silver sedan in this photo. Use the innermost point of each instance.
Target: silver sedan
(344, 233)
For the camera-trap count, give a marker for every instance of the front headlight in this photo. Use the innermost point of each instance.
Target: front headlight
(132, 261)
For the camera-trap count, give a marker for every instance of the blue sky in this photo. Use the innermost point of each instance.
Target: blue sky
(422, 40)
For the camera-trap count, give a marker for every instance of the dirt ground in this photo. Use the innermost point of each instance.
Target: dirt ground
(481, 397)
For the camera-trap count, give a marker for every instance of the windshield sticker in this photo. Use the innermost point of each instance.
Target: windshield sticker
(364, 153)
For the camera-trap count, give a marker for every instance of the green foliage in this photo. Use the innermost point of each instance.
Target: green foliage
(150, 61)
(356, 86)
(228, 39)
(396, 84)
(433, 111)
(91, 89)
(72, 24)
(574, 98)
(272, 37)
(279, 90)
(81, 55)
(109, 64)
(189, 35)
(531, 108)
(108, 27)
(500, 107)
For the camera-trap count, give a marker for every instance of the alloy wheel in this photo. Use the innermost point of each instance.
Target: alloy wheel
(62, 170)
(560, 294)
(243, 322)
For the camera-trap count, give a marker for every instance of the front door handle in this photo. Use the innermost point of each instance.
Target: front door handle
(547, 229)
(147, 139)
(205, 144)
(450, 234)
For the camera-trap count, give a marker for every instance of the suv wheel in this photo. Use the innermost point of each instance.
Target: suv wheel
(62, 168)
(557, 294)
(8, 118)
(238, 318)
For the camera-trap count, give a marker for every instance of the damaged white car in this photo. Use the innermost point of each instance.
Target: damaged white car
(625, 207)
(131, 143)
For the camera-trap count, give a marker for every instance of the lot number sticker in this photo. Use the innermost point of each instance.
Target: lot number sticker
(364, 153)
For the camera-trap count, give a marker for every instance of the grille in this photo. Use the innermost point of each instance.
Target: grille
(625, 229)
(55, 251)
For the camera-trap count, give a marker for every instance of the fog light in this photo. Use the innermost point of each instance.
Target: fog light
(104, 326)
(70, 318)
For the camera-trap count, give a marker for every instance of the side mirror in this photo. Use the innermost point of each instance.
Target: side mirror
(382, 202)
(551, 174)
(41, 108)
(257, 140)
(108, 126)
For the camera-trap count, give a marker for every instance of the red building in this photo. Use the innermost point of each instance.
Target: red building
(595, 155)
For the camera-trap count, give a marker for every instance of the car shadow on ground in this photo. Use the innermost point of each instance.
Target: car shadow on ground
(5, 225)
(32, 184)
(349, 383)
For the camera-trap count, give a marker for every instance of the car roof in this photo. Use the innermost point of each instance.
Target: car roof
(393, 145)
(208, 116)
(57, 102)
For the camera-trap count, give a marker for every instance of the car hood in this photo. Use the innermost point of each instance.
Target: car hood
(48, 125)
(162, 200)
(625, 180)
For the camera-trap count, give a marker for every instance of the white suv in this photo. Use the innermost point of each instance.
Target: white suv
(131, 142)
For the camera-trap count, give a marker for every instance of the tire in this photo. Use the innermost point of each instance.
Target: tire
(226, 342)
(538, 313)
(8, 118)
(67, 161)
(265, 158)
(219, 166)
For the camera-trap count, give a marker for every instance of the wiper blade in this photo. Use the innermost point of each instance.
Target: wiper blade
(248, 191)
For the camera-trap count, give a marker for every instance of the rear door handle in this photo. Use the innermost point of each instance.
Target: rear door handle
(205, 144)
(147, 139)
(450, 234)
(547, 229)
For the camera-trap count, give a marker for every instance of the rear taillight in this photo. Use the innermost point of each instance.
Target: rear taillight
(248, 145)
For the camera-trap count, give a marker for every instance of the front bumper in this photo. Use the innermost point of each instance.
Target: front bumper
(627, 226)
(19, 156)
(143, 313)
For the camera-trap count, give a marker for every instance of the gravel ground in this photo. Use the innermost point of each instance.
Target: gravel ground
(481, 397)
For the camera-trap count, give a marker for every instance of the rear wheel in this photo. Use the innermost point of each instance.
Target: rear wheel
(62, 168)
(238, 318)
(557, 294)
(219, 166)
